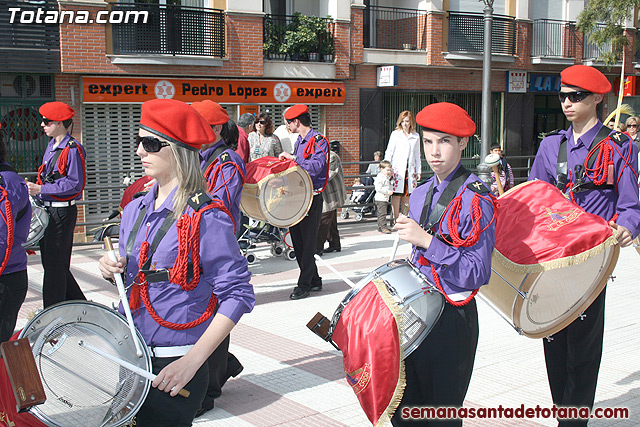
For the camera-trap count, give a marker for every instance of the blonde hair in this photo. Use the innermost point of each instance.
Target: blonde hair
(412, 121)
(190, 177)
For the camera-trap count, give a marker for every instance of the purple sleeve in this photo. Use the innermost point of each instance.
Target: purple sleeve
(316, 164)
(228, 185)
(544, 165)
(628, 204)
(73, 182)
(224, 268)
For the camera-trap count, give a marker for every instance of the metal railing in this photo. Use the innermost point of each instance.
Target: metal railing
(594, 51)
(170, 30)
(298, 38)
(395, 28)
(466, 33)
(553, 38)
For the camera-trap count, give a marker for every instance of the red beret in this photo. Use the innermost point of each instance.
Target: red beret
(212, 112)
(56, 111)
(177, 122)
(585, 77)
(296, 111)
(447, 118)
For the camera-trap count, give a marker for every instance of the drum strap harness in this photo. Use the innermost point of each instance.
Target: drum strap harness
(598, 165)
(214, 166)
(188, 230)
(60, 159)
(310, 149)
(448, 201)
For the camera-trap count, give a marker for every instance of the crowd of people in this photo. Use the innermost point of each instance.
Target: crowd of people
(187, 291)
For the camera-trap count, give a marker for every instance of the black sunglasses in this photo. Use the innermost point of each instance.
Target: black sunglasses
(262, 122)
(47, 121)
(573, 96)
(632, 126)
(150, 143)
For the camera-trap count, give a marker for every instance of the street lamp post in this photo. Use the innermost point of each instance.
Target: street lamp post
(485, 136)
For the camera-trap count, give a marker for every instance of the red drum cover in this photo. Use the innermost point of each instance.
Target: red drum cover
(8, 414)
(367, 334)
(265, 166)
(539, 228)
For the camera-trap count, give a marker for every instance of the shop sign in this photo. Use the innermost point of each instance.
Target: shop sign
(517, 82)
(629, 88)
(132, 89)
(544, 83)
(387, 76)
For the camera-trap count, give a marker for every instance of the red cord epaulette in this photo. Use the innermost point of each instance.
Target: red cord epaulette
(310, 149)
(188, 230)
(599, 173)
(62, 169)
(453, 223)
(215, 169)
(10, 234)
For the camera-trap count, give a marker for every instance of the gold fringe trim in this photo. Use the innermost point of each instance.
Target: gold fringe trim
(557, 263)
(385, 418)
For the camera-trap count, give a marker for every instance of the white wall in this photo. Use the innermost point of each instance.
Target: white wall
(499, 6)
(245, 5)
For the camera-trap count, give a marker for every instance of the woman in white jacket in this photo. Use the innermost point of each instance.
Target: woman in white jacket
(403, 152)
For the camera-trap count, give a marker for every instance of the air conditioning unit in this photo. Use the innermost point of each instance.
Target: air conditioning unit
(24, 86)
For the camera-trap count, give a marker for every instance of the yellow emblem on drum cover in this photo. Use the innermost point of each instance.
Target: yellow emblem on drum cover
(560, 219)
(359, 379)
(4, 417)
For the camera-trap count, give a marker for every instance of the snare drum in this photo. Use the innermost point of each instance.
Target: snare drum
(421, 304)
(83, 387)
(39, 223)
(276, 191)
(552, 259)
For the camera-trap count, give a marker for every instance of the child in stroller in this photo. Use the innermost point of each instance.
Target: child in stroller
(261, 231)
(361, 200)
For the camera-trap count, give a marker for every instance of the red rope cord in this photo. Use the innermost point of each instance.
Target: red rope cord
(10, 234)
(436, 279)
(598, 174)
(62, 169)
(188, 231)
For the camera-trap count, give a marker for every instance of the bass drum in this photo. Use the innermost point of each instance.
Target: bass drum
(39, 223)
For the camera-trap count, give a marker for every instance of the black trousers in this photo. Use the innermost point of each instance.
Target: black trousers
(573, 359)
(304, 236)
(222, 365)
(13, 290)
(328, 230)
(55, 250)
(161, 410)
(438, 372)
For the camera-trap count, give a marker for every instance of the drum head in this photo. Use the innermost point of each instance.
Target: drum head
(83, 387)
(286, 198)
(555, 298)
(39, 223)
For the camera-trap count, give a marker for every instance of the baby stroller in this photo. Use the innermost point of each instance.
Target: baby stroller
(362, 201)
(261, 231)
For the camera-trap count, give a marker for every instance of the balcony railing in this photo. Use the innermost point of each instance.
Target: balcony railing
(170, 30)
(552, 38)
(298, 38)
(594, 51)
(395, 28)
(28, 47)
(466, 33)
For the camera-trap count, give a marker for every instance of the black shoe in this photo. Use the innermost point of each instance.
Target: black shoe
(299, 293)
(316, 288)
(333, 249)
(319, 252)
(207, 405)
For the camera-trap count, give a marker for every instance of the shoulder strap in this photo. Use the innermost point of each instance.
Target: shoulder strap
(164, 228)
(445, 198)
(136, 226)
(222, 148)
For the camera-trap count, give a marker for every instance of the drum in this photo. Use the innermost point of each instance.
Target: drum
(421, 304)
(82, 386)
(39, 223)
(276, 191)
(551, 261)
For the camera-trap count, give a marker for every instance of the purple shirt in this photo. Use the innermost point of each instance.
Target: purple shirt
(70, 184)
(18, 195)
(460, 269)
(316, 164)
(224, 271)
(229, 182)
(606, 202)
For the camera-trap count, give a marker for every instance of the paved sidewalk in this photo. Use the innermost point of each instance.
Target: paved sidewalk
(293, 378)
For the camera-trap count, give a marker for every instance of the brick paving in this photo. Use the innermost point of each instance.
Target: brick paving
(293, 378)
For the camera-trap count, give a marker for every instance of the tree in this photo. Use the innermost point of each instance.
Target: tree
(603, 21)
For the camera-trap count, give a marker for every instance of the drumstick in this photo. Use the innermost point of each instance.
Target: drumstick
(133, 368)
(396, 241)
(344, 278)
(123, 295)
